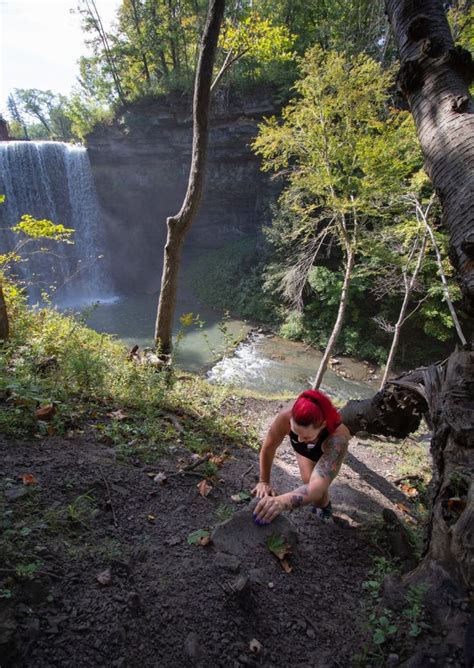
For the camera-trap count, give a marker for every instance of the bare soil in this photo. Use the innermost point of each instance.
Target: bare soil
(117, 583)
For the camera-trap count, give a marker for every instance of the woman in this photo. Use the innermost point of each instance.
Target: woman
(320, 442)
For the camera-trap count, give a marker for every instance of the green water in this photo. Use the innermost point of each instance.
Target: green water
(264, 364)
(132, 319)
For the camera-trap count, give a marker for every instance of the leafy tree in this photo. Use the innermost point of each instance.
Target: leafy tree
(16, 116)
(343, 153)
(435, 77)
(47, 109)
(29, 229)
(254, 38)
(351, 26)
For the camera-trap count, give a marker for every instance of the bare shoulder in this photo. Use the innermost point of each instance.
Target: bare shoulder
(281, 423)
(338, 440)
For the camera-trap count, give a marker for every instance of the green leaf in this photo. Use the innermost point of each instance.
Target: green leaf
(196, 536)
(415, 630)
(379, 637)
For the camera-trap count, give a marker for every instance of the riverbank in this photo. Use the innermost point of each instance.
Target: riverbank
(113, 475)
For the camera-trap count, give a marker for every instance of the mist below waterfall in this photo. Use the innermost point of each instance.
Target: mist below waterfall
(53, 180)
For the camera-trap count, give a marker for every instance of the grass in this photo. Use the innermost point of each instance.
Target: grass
(93, 390)
(55, 360)
(388, 631)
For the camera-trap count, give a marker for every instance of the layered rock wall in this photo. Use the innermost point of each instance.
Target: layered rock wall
(141, 166)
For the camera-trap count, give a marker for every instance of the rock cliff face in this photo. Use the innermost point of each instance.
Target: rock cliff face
(141, 165)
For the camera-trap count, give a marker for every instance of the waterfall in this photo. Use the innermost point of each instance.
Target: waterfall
(53, 180)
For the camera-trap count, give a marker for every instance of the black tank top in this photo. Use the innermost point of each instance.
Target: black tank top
(311, 451)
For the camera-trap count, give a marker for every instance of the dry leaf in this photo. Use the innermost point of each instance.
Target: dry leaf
(104, 578)
(409, 491)
(218, 460)
(45, 412)
(161, 478)
(255, 647)
(204, 487)
(119, 414)
(286, 566)
(28, 479)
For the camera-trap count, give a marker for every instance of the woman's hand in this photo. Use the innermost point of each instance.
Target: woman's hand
(263, 489)
(268, 508)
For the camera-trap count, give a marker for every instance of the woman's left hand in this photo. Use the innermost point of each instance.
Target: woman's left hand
(267, 509)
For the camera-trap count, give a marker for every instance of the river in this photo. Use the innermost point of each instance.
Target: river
(261, 363)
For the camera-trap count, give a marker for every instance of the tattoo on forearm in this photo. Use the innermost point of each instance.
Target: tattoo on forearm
(296, 501)
(298, 497)
(331, 461)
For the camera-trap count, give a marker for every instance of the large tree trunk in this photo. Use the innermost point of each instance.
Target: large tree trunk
(435, 76)
(179, 225)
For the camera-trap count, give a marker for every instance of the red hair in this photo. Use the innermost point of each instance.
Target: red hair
(312, 408)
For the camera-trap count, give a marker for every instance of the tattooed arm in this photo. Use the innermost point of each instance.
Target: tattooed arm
(326, 469)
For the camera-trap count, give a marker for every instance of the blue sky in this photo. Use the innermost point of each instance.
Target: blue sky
(40, 43)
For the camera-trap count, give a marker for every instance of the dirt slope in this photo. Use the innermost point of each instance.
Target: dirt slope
(163, 602)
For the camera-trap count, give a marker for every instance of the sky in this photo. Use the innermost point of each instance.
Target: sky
(40, 43)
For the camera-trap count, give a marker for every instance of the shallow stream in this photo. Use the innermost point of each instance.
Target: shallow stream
(261, 363)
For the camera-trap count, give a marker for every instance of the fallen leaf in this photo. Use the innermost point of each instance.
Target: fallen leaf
(104, 578)
(255, 646)
(456, 505)
(218, 460)
(196, 537)
(28, 479)
(241, 497)
(286, 566)
(161, 478)
(278, 547)
(45, 412)
(119, 414)
(204, 487)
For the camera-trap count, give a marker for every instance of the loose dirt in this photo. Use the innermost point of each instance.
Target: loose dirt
(118, 584)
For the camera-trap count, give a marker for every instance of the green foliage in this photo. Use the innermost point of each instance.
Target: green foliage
(230, 278)
(54, 359)
(224, 512)
(338, 144)
(353, 26)
(46, 110)
(82, 510)
(42, 229)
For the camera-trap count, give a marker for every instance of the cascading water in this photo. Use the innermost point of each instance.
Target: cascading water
(53, 180)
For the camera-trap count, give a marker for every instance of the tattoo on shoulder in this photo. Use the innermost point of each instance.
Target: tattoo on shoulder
(334, 451)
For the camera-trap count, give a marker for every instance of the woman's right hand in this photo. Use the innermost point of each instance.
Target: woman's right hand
(262, 489)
